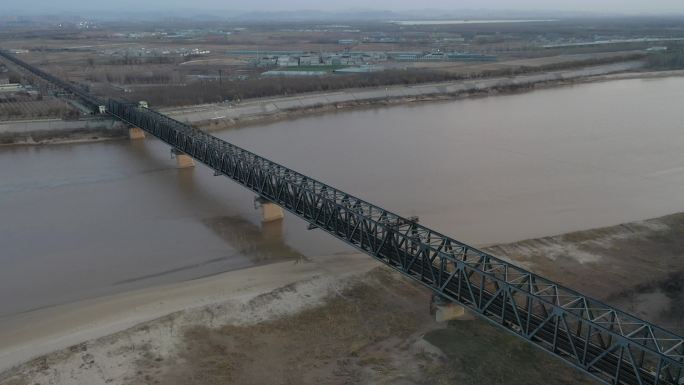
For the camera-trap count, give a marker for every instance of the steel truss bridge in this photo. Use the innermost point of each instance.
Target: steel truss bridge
(609, 344)
(90, 100)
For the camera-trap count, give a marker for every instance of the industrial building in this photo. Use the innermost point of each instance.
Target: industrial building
(439, 56)
(268, 59)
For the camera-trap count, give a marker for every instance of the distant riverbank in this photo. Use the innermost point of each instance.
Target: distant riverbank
(213, 117)
(56, 131)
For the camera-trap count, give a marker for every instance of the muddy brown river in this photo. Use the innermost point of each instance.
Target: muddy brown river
(85, 220)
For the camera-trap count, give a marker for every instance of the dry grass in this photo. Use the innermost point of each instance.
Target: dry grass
(636, 258)
(480, 354)
(331, 344)
(371, 332)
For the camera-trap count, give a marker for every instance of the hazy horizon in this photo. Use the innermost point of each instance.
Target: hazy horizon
(657, 7)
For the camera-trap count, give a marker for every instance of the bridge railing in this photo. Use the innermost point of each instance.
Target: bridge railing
(611, 345)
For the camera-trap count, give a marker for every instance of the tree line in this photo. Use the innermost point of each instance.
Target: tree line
(214, 91)
(667, 60)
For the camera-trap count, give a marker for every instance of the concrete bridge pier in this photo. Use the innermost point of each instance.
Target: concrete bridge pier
(272, 232)
(135, 133)
(445, 310)
(270, 212)
(183, 160)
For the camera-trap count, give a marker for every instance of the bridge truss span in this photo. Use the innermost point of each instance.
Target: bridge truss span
(611, 345)
(89, 100)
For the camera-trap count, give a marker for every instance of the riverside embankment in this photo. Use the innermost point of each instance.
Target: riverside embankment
(218, 116)
(50, 131)
(224, 115)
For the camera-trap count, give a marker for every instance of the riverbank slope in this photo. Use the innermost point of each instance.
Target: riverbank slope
(219, 116)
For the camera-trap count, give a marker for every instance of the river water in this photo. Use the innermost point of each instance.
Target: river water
(85, 220)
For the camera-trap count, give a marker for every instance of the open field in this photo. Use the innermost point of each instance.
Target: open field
(18, 108)
(174, 64)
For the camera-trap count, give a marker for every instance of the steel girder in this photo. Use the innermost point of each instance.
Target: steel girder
(612, 346)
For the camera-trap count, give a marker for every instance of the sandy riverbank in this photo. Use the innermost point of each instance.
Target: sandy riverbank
(336, 319)
(54, 131)
(31, 334)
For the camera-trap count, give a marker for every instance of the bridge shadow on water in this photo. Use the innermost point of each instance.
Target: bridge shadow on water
(262, 245)
(247, 243)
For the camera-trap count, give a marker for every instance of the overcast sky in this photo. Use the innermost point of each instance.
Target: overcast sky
(612, 6)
